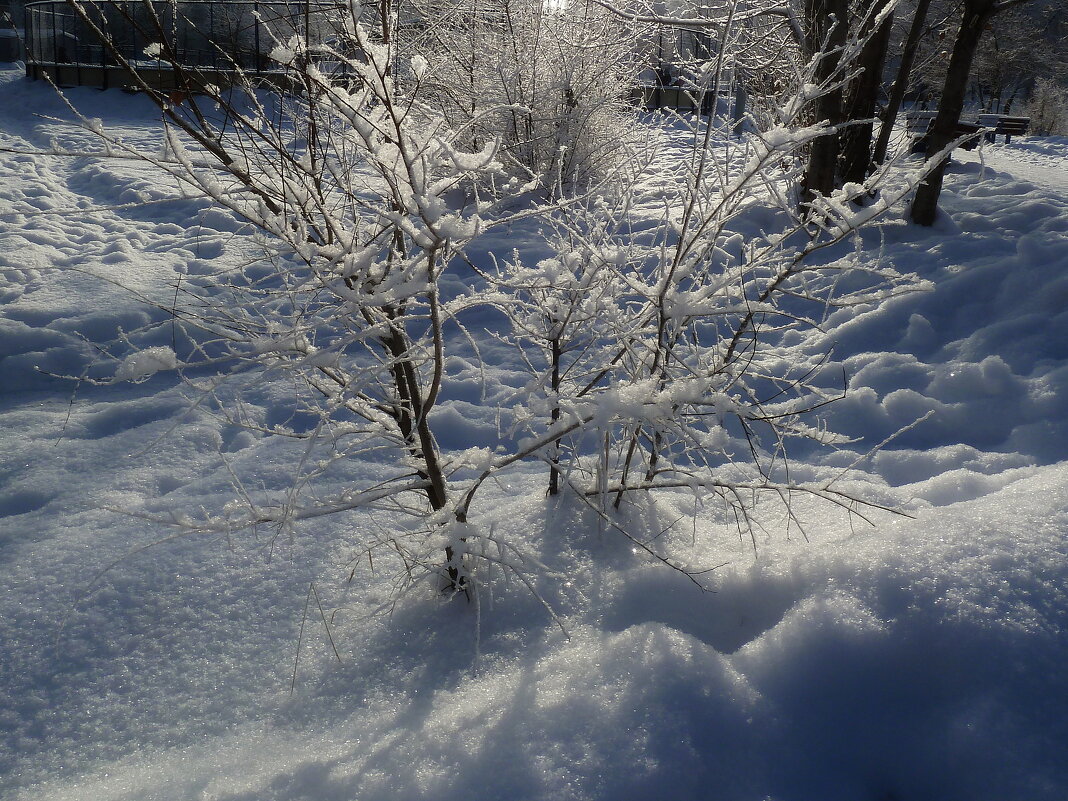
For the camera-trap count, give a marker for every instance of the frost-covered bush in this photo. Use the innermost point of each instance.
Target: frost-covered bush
(1048, 108)
(668, 337)
(682, 356)
(550, 81)
(364, 196)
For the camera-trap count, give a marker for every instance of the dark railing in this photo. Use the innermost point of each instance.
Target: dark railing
(209, 39)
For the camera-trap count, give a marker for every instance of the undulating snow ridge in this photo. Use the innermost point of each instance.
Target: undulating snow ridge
(922, 658)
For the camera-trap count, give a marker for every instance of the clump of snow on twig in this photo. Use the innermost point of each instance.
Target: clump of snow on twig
(146, 363)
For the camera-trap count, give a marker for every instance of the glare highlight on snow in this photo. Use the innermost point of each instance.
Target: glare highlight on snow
(919, 659)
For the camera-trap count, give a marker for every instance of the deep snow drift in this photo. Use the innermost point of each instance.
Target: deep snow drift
(921, 658)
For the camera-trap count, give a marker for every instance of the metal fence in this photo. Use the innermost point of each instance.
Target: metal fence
(210, 39)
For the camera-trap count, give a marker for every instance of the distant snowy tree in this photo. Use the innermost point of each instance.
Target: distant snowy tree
(1022, 44)
(1048, 108)
(550, 81)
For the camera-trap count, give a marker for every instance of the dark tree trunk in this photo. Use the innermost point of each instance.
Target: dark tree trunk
(1009, 103)
(901, 83)
(826, 23)
(411, 413)
(554, 459)
(977, 13)
(862, 94)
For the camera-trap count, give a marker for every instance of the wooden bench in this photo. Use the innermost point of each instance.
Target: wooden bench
(919, 124)
(1004, 125)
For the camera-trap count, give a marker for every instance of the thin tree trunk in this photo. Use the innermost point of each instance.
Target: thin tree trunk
(901, 83)
(977, 14)
(856, 144)
(1007, 109)
(554, 459)
(825, 30)
(412, 416)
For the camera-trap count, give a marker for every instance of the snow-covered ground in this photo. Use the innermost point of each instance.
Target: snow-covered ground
(922, 658)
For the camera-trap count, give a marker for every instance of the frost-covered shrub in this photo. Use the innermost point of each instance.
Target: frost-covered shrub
(551, 82)
(671, 335)
(681, 356)
(1048, 108)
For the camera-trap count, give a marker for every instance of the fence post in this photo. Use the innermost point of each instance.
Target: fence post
(103, 61)
(256, 36)
(78, 61)
(31, 66)
(55, 56)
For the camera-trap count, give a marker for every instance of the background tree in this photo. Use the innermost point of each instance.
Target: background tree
(862, 93)
(826, 29)
(1021, 45)
(974, 21)
(1048, 108)
(550, 81)
(900, 85)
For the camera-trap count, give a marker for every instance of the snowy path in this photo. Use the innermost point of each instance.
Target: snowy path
(1038, 160)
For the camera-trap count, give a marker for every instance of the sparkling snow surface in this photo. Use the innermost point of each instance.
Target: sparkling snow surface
(923, 658)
